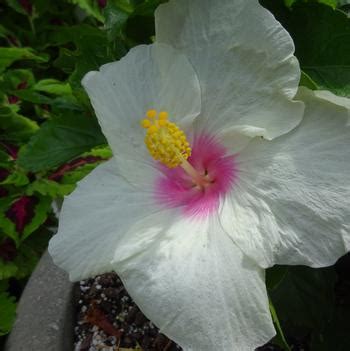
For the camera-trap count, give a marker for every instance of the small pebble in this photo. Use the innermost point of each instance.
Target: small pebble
(107, 293)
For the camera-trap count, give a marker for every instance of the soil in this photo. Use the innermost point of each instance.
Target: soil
(108, 320)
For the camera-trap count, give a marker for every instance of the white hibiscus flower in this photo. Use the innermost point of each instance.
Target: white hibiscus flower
(223, 181)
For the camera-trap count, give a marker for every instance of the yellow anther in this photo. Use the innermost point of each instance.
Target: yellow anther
(163, 115)
(146, 123)
(162, 122)
(165, 141)
(151, 113)
(153, 129)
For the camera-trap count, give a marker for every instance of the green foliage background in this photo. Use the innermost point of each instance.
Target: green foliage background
(50, 138)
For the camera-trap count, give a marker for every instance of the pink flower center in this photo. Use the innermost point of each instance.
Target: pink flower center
(175, 188)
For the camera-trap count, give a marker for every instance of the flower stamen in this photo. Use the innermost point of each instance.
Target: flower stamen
(167, 143)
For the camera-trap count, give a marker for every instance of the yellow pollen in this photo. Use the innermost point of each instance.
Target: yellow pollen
(152, 129)
(165, 141)
(162, 122)
(163, 115)
(146, 123)
(151, 113)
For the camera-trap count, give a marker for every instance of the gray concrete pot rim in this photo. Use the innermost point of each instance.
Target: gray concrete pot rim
(45, 312)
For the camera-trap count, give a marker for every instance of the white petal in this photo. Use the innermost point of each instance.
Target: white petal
(243, 58)
(237, 137)
(291, 204)
(148, 77)
(198, 287)
(337, 100)
(94, 220)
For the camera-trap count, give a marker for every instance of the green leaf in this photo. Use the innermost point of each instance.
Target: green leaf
(59, 140)
(12, 78)
(41, 212)
(49, 188)
(91, 7)
(332, 3)
(27, 256)
(14, 126)
(6, 225)
(74, 34)
(322, 39)
(10, 55)
(17, 178)
(115, 20)
(4, 284)
(7, 312)
(31, 250)
(16, 5)
(78, 174)
(279, 339)
(4, 157)
(103, 152)
(53, 86)
(335, 335)
(75, 170)
(3, 32)
(305, 298)
(127, 6)
(323, 52)
(65, 102)
(66, 60)
(92, 54)
(32, 96)
(92, 50)
(7, 269)
(335, 78)
(274, 276)
(147, 8)
(26, 260)
(306, 81)
(140, 29)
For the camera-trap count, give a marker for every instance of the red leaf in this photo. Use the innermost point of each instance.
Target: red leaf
(4, 173)
(22, 85)
(70, 166)
(11, 149)
(102, 3)
(8, 250)
(12, 99)
(21, 211)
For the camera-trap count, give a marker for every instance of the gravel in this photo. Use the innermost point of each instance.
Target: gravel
(109, 320)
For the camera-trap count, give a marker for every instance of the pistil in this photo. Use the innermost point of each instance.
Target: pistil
(200, 180)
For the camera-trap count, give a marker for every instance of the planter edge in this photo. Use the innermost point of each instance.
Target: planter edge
(45, 312)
